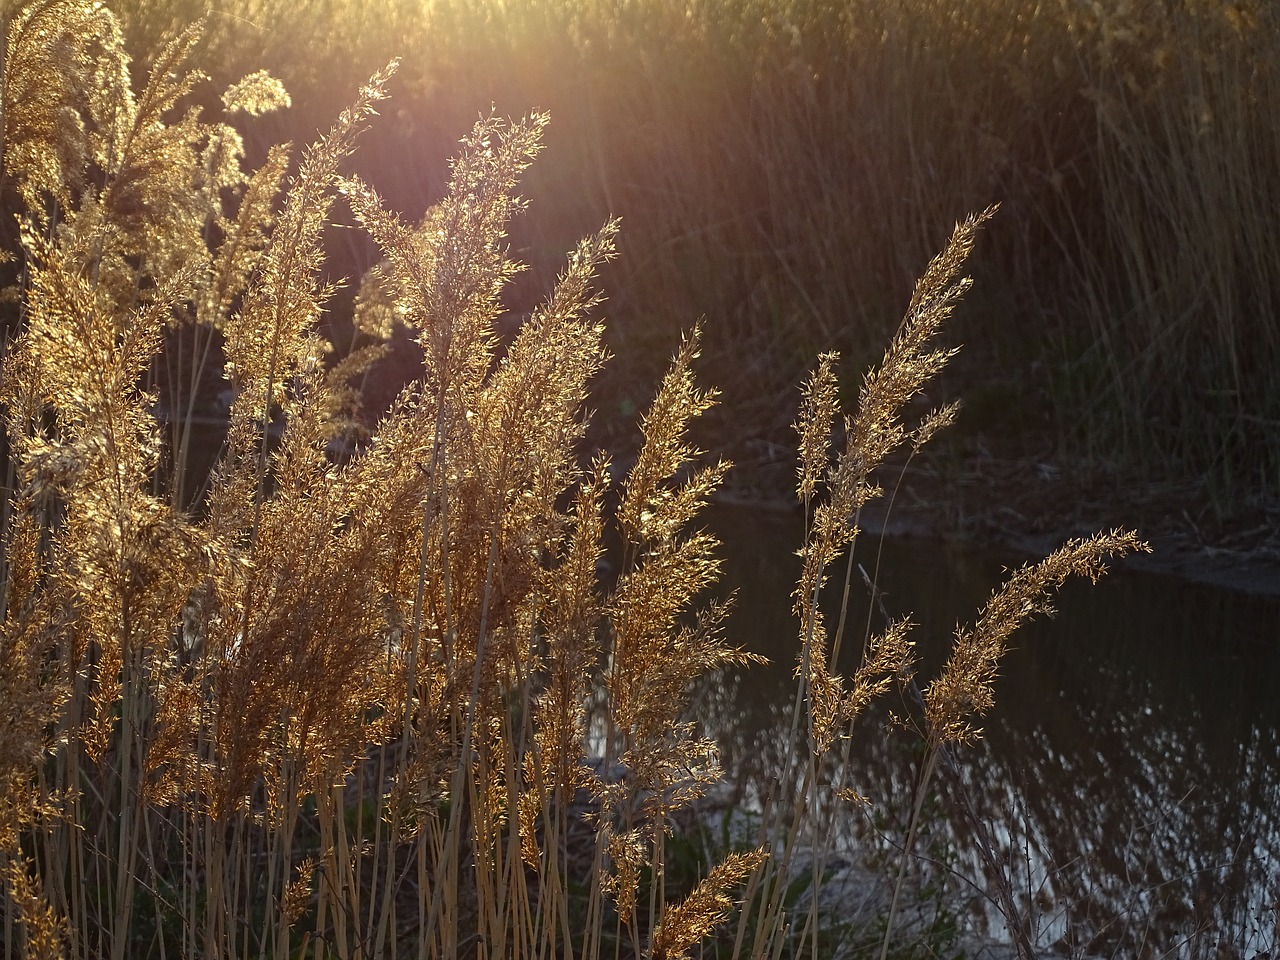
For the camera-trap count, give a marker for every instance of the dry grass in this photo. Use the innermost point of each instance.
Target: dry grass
(342, 697)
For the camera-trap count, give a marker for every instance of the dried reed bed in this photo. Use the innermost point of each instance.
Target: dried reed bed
(784, 165)
(361, 691)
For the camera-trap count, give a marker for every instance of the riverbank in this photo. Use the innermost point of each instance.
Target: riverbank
(1027, 507)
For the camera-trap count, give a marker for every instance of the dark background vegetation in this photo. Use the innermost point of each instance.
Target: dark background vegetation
(785, 168)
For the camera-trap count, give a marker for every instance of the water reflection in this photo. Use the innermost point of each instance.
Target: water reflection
(1130, 773)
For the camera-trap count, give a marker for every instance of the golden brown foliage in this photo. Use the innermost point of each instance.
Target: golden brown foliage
(365, 682)
(872, 433)
(708, 905)
(963, 691)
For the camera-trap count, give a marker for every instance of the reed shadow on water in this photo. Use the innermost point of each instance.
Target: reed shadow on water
(1130, 763)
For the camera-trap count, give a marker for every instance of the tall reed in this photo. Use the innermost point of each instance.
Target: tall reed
(362, 691)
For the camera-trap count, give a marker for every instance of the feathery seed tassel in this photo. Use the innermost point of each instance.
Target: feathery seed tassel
(650, 510)
(963, 691)
(873, 433)
(271, 337)
(256, 94)
(654, 656)
(698, 914)
(817, 415)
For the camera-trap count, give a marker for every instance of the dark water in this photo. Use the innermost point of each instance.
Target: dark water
(1130, 773)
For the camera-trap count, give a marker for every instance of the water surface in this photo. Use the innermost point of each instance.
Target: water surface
(1130, 773)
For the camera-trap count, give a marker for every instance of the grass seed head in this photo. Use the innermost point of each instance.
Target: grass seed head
(964, 690)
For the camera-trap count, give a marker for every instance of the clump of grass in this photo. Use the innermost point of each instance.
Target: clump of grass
(363, 694)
